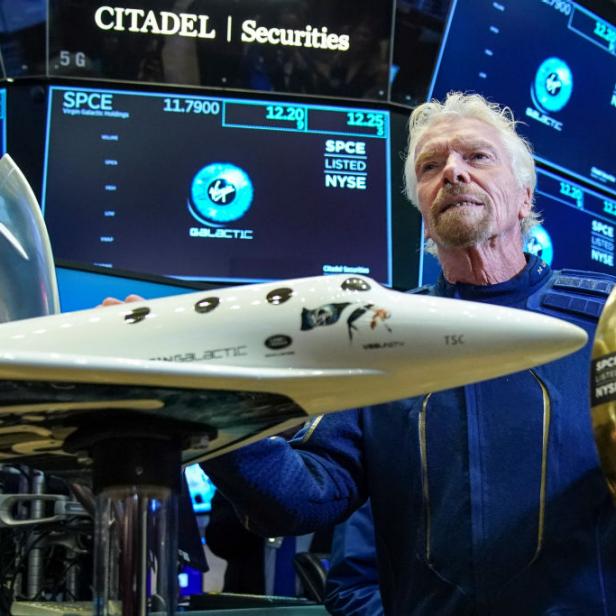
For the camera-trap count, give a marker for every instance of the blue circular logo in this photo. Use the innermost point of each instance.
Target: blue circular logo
(539, 243)
(220, 193)
(553, 85)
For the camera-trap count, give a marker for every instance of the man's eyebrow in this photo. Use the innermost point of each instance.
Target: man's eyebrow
(429, 153)
(475, 144)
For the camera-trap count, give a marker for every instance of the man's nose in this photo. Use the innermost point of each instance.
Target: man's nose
(455, 170)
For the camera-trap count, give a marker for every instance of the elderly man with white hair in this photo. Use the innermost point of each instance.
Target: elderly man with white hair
(487, 499)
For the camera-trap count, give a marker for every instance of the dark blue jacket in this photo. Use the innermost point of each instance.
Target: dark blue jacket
(487, 499)
(352, 587)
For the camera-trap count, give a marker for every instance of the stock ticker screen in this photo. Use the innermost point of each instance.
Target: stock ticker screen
(559, 76)
(578, 225)
(211, 189)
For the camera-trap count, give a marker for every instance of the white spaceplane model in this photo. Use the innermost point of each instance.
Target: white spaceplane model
(232, 365)
(242, 361)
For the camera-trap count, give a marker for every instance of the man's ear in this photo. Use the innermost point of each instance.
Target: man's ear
(527, 203)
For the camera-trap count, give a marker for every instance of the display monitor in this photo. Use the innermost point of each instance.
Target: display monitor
(217, 189)
(23, 33)
(418, 31)
(578, 225)
(318, 47)
(554, 63)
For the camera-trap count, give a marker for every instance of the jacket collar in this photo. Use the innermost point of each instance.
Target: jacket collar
(511, 292)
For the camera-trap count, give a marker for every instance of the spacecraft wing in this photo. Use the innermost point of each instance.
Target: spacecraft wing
(45, 397)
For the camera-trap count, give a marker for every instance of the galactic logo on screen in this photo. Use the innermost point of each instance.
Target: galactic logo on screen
(220, 193)
(553, 85)
(550, 91)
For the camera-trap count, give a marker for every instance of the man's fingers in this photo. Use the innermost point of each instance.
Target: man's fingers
(133, 297)
(112, 301)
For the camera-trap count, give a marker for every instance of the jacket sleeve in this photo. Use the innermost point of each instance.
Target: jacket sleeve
(352, 587)
(292, 488)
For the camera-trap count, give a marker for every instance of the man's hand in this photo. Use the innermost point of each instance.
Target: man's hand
(112, 301)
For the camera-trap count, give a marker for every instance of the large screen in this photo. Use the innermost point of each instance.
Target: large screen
(418, 31)
(216, 189)
(578, 225)
(554, 63)
(23, 31)
(318, 47)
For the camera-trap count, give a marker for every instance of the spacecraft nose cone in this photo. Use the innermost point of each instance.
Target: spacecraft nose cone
(531, 339)
(541, 338)
(462, 342)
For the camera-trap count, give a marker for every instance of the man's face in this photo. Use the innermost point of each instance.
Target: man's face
(465, 184)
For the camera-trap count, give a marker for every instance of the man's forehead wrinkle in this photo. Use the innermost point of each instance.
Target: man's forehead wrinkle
(441, 145)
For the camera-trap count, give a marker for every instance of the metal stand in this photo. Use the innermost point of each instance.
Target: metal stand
(136, 481)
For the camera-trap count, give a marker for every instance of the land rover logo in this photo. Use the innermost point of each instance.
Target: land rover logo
(278, 341)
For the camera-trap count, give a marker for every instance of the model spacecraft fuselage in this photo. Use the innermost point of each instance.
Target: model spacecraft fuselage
(325, 331)
(251, 360)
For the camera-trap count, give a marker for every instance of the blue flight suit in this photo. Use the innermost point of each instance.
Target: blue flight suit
(352, 587)
(487, 499)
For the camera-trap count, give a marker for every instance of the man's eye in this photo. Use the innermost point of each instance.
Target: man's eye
(479, 156)
(427, 167)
